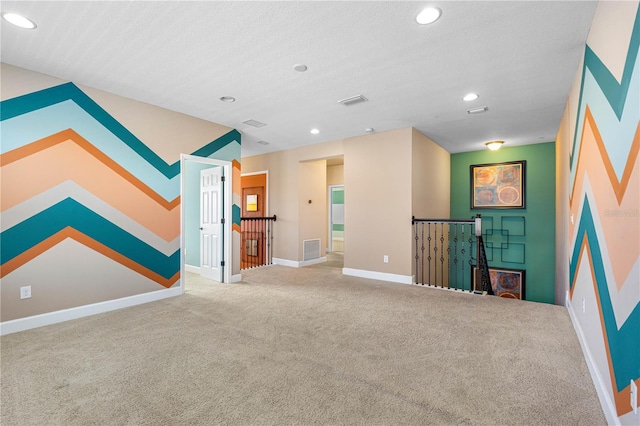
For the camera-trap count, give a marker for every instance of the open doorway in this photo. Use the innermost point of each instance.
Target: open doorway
(255, 235)
(206, 218)
(336, 218)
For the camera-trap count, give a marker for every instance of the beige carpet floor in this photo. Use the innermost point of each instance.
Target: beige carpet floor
(298, 347)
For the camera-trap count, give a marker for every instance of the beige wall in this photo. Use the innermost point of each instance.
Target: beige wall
(313, 215)
(284, 192)
(430, 178)
(335, 175)
(377, 185)
(166, 132)
(387, 178)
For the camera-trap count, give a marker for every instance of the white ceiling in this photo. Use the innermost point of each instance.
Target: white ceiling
(521, 57)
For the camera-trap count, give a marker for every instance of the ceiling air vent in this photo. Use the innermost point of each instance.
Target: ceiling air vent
(353, 100)
(477, 110)
(254, 123)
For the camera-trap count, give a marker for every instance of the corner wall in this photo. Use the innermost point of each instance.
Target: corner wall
(377, 212)
(599, 177)
(90, 212)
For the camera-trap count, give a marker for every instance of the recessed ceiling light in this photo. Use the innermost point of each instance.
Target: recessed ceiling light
(300, 67)
(19, 21)
(477, 110)
(470, 97)
(315, 131)
(428, 16)
(263, 143)
(228, 99)
(369, 130)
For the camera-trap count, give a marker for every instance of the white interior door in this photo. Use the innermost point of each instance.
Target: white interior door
(211, 221)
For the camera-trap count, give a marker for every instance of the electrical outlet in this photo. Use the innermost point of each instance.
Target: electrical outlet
(584, 305)
(25, 292)
(385, 259)
(634, 397)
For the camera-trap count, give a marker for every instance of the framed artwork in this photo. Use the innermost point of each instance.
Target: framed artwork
(252, 203)
(505, 282)
(498, 185)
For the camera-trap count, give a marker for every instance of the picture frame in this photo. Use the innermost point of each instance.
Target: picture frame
(498, 185)
(252, 202)
(505, 282)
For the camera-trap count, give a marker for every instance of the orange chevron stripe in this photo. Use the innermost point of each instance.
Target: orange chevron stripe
(70, 134)
(236, 228)
(71, 162)
(618, 187)
(621, 398)
(610, 198)
(235, 173)
(78, 236)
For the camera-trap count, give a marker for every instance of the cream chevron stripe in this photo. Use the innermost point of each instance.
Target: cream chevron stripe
(617, 202)
(624, 296)
(70, 189)
(78, 236)
(105, 125)
(617, 337)
(617, 134)
(39, 124)
(76, 164)
(70, 135)
(617, 97)
(20, 241)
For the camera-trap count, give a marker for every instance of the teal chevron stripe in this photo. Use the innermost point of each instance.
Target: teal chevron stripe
(624, 343)
(25, 104)
(68, 212)
(616, 93)
(21, 130)
(236, 213)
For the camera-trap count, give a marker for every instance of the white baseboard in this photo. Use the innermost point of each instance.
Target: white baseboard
(382, 276)
(236, 278)
(191, 268)
(607, 404)
(49, 318)
(296, 263)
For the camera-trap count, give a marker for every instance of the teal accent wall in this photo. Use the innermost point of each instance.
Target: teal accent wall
(516, 238)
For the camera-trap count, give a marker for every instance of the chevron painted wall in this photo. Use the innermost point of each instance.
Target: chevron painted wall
(90, 213)
(601, 134)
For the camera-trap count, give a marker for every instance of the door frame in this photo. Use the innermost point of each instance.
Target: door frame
(227, 209)
(330, 216)
(266, 189)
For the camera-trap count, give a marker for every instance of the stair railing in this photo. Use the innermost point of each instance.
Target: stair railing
(450, 253)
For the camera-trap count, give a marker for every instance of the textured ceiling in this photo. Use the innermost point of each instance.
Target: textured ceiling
(521, 57)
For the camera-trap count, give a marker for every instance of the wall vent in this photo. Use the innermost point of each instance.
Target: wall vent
(311, 249)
